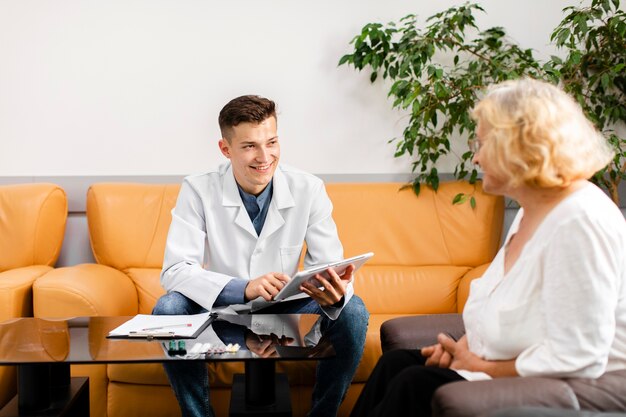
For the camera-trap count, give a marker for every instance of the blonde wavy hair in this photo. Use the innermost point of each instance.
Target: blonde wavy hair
(538, 135)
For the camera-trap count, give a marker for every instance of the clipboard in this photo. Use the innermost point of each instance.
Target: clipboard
(147, 326)
(293, 287)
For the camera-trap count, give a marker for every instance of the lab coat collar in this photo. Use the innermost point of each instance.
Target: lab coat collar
(282, 196)
(230, 193)
(281, 199)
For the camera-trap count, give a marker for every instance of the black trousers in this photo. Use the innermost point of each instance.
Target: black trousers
(401, 385)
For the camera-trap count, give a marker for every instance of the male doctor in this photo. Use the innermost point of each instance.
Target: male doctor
(237, 234)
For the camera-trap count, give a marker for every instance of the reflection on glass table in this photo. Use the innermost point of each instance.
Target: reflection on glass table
(43, 349)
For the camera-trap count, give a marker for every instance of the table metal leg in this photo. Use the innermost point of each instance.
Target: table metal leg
(260, 392)
(48, 390)
(33, 387)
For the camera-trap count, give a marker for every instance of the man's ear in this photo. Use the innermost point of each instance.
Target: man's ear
(224, 147)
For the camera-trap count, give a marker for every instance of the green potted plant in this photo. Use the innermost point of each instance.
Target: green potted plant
(594, 71)
(438, 71)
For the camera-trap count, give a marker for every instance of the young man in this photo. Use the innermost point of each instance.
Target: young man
(237, 234)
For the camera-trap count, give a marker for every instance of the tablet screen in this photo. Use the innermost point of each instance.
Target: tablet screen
(293, 286)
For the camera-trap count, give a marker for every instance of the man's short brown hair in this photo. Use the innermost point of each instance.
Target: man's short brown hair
(245, 109)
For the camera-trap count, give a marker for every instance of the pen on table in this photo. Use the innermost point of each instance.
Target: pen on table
(167, 327)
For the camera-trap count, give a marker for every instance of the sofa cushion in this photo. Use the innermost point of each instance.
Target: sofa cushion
(16, 290)
(148, 286)
(141, 401)
(84, 290)
(405, 230)
(220, 373)
(128, 223)
(393, 289)
(137, 373)
(32, 224)
(464, 285)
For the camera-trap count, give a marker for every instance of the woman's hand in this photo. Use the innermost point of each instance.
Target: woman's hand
(436, 356)
(462, 358)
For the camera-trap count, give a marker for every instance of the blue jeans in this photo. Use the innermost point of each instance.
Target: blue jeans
(332, 378)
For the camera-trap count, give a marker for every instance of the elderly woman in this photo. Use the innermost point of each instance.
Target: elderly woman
(553, 301)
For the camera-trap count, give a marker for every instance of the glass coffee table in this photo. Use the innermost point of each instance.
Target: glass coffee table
(43, 349)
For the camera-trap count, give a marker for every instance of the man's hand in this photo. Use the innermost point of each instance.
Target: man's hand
(436, 356)
(265, 345)
(266, 286)
(334, 287)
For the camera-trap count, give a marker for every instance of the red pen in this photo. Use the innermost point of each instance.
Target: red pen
(167, 327)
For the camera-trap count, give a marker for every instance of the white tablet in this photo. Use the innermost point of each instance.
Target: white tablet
(293, 286)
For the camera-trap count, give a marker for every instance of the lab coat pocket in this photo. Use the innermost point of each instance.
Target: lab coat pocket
(289, 257)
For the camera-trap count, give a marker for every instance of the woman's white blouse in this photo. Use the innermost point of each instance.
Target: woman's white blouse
(561, 308)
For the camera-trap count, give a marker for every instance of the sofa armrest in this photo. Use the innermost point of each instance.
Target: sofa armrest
(464, 285)
(84, 290)
(606, 393)
(416, 331)
(478, 398)
(16, 295)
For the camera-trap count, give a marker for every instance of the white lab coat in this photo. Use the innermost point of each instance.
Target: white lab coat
(211, 239)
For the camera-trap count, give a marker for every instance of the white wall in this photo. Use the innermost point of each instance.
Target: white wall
(133, 87)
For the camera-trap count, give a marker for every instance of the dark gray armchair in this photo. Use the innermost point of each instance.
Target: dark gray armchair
(550, 412)
(479, 398)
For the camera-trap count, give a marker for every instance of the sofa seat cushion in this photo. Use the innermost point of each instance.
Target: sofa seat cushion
(137, 373)
(148, 285)
(388, 289)
(220, 374)
(402, 290)
(84, 290)
(126, 400)
(16, 290)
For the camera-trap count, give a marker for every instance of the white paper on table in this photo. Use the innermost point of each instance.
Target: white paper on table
(147, 324)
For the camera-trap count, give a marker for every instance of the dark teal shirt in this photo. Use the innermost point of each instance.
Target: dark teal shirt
(257, 206)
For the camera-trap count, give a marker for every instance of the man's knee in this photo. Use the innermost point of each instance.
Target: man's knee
(171, 303)
(356, 311)
(355, 317)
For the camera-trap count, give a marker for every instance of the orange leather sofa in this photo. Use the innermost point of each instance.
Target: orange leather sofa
(426, 253)
(32, 226)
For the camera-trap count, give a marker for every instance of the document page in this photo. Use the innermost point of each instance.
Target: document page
(146, 325)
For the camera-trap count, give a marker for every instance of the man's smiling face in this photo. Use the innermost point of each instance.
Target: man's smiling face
(254, 151)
